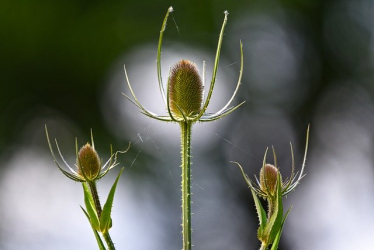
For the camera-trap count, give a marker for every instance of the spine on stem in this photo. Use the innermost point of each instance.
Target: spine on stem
(186, 183)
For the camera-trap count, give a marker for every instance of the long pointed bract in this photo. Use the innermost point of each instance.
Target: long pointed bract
(239, 80)
(216, 62)
(159, 76)
(219, 116)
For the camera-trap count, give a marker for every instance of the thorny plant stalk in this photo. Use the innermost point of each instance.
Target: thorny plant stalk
(186, 182)
(89, 170)
(183, 99)
(95, 196)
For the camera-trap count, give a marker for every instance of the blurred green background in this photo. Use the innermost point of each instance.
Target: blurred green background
(305, 61)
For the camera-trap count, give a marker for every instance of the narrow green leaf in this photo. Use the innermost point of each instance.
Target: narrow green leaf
(261, 214)
(88, 201)
(277, 238)
(87, 191)
(105, 220)
(97, 236)
(275, 221)
(260, 210)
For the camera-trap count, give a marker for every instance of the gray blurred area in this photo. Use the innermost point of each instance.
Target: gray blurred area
(305, 62)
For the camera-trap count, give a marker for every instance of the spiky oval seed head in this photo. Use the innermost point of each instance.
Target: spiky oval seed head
(88, 162)
(268, 179)
(185, 90)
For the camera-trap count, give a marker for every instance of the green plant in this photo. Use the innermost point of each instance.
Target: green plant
(185, 106)
(89, 169)
(272, 188)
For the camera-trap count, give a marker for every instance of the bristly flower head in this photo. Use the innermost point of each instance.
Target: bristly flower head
(88, 162)
(184, 92)
(268, 179)
(88, 165)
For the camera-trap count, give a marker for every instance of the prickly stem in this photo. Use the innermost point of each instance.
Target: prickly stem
(186, 183)
(95, 196)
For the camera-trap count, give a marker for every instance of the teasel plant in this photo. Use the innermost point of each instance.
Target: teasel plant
(89, 169)
(272, 188)
(183, 98)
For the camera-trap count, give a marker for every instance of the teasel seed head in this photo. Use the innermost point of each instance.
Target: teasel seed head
(268, 179)
(185, 90)
(88, 163)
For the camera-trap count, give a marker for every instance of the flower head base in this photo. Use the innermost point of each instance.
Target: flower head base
(185, 90)
(184, 93)
(88, 164)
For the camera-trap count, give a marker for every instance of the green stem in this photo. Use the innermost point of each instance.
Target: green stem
(186, 183)
(109, 241)
(263, 247)
(271, 206)
(95, 196)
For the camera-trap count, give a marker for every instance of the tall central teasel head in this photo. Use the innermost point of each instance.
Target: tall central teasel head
(184, 102)
(185, 90)
(183, 96)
